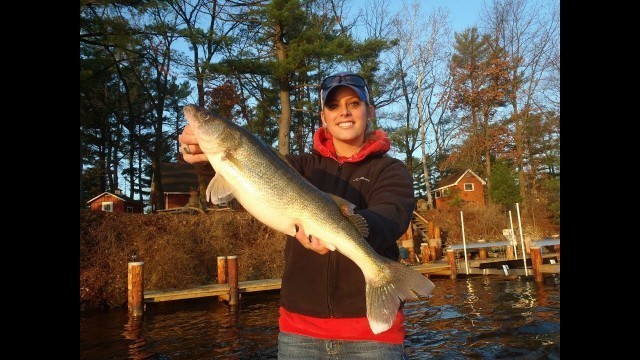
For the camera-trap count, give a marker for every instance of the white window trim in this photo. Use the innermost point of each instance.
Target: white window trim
(472, 186)
(110, 205)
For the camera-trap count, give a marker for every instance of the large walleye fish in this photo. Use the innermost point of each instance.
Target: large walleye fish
(277, 195)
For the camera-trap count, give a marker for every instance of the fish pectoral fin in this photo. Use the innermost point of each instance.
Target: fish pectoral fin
(345, 206)
(219, 190)
(360, 223)
(347, 210)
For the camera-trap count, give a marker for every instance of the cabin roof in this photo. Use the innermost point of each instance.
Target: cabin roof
(454, 179)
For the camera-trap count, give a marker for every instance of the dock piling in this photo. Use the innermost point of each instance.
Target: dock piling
(222, 276)
(436, 235)
(451, 257)
(135, 289)
(424, 250)
(222, 269)
(482, 251)
(509, 252)
(536, 263)
(232, 268)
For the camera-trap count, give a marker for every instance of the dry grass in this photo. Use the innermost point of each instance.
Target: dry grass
(178, 250)
(181, 250)
(487, 224)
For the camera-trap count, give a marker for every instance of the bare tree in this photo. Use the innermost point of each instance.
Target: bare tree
(529, 33)
(420, 57)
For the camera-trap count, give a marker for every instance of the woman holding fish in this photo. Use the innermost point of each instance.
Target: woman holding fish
(332, 305)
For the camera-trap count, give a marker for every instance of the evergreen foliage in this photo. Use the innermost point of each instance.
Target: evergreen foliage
(260, 63)
(504, 189)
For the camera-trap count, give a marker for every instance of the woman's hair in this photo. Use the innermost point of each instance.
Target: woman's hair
(369, 128)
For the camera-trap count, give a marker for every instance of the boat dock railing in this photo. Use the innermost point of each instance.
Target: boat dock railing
(534, 250)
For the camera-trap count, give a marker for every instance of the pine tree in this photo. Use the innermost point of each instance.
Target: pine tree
(505, 190)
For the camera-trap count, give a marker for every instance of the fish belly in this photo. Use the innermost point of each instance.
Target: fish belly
(270, 216)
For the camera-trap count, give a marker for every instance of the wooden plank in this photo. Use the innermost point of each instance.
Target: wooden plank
(477, 271)
(479, 245)
(433, 269)
(498, 264)
(488, 263)
(210, 290)
(420, 218)
(544, 242)
(178, 294)
(260, 285)
(550, 268)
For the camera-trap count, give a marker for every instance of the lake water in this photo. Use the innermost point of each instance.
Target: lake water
(486, 317)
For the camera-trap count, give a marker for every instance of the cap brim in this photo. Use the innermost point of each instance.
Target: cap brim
(361, 93)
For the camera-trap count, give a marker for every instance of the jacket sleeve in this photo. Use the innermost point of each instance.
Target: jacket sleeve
(390, 205)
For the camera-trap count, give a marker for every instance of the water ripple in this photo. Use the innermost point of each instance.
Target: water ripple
(476, 317)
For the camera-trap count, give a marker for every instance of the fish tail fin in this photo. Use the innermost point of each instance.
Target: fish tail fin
(384, 297)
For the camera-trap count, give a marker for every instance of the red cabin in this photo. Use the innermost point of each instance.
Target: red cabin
(114, 202)
(467, 187)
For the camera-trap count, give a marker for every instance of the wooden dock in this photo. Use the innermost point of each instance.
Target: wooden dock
(450, 266)
(494, 266)
(436, 268)
(152, 296)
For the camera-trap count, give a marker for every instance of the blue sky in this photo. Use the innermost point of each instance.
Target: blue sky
(462, 13)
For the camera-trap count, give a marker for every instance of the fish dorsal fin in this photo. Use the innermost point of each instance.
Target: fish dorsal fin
(219, 190)
(347, 209)
(360, 223)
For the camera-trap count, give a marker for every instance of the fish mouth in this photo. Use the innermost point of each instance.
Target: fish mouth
(195, 115)
(189, 111)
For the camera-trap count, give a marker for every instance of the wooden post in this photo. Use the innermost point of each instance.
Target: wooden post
(436, 235)
(536, 263)
(232, 268)
(135, 287)
(412, 255)
(222, 276)
(433, 250)
(509, 252)
(222, 269)
(424, 250)
(430, 235)
(406, 241)
(482, 251)
(451, 257)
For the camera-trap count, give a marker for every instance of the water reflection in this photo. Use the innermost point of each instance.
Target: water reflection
(474, 317)
(137, 343)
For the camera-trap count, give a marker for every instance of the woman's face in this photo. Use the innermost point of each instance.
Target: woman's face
(345, 116)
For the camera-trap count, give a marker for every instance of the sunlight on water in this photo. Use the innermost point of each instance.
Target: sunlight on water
(476, 317)
(486, 317)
